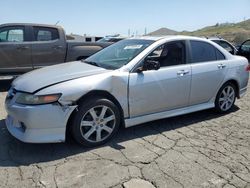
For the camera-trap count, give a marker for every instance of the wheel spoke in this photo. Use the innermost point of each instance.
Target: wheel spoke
(224, 93)
(110, 118)
(221, 99)
(90, 132)
(223, 104)
(228, 90)
(104, 109)
(93, 113)
(231, 95)
(230, 100)
(108, 129)
(86, 123)
(98, 135)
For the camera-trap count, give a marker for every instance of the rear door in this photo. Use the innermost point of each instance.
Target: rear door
(48, 46)
(15, 50)
(209, 68)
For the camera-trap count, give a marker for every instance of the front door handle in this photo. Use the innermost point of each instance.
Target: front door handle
(221, 66)
(22, 48)
(57, 47)
(182, 72)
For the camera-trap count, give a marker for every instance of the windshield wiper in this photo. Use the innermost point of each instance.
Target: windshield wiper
(92, 63)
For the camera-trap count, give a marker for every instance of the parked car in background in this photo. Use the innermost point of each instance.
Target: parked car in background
(225, 44)
(242, 50)
(114, 38)
(128, 83)
(25, 47)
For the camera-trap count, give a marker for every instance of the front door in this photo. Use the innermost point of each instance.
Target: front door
(153, 91)
(15, 51)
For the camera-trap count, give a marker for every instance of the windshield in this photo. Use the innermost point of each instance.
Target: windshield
(118, 54)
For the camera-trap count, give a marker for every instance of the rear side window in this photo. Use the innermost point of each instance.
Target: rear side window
(45, 34)
(219, 55)
(202, 52)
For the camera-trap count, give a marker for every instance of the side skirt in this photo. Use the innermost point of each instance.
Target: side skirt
(171, 113)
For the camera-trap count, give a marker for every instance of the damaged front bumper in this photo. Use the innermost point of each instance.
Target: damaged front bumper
(37, 124)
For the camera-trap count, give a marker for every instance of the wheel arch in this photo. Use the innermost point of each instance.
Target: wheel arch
(94, 93)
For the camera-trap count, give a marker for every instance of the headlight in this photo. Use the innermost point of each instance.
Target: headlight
(25, 98)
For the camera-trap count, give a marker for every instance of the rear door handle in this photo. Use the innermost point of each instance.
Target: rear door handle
(182, 72)
(221, 66)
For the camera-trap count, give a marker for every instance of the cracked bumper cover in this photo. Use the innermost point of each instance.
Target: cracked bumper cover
(37, 124)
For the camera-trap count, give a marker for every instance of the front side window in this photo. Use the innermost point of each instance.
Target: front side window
(202, 52)
(12, 35)
(169, 54)
(119, 54)
(45, 34)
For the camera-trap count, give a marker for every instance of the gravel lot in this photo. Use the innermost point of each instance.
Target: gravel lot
(201, 149)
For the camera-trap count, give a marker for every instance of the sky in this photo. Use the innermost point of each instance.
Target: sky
(107, 17)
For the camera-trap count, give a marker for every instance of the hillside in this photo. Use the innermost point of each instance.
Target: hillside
(163, 31)
(234, 32)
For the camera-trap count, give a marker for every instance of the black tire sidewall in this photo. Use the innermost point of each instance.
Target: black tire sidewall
(217, 105)
(82, 109)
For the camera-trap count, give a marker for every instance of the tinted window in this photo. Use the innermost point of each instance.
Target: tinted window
(202, 52)
(169, 54)
(219, 55)
(45, 34)
(225, 45)
(12, 34)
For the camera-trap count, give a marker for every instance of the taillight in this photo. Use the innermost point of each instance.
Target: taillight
(248, 68)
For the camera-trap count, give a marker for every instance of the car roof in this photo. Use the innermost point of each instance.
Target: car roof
(30, 24)
(170, 37)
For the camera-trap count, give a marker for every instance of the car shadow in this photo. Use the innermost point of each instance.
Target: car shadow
(16, 153)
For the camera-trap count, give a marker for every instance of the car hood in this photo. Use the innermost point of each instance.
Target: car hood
(41, 78)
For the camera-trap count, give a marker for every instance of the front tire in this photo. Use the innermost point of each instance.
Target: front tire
(225, 98)
(96, 122)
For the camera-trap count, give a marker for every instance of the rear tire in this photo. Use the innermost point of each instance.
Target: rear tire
(96, 122)
(225, 98)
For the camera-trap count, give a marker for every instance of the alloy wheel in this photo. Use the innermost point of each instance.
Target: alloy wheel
(227, 97)
(97, 123)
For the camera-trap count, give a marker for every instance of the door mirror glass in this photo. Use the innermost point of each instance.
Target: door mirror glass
(149, 65)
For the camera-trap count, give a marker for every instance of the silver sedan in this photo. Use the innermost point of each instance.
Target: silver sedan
(130, 82)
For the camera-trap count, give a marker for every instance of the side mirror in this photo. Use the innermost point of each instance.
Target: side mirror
(149, 65)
